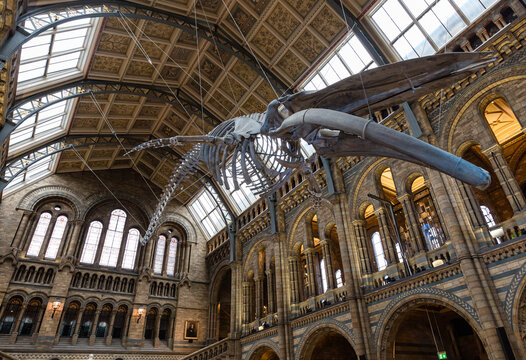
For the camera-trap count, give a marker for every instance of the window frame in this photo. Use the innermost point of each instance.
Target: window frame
(110, 249)
(96, 245)
(415, 21)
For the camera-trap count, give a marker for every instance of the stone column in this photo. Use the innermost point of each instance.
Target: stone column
(171, 330)
(363, 249)
(259, 297)
(506, 179)
(474, 272)
(37, 324)
(311, 271)
(246, 302)
(212, 323)
(33, 219)
(156, 327)
(109, 335)
(326, 251)
(26, 215)
(127, 319)
(75, 336)
(270, 292)
(47, 237)
(16, 328)
(94, 327)
(148, 254)
(293, 268)
(73, 240)
(414, 227)
(385, 234)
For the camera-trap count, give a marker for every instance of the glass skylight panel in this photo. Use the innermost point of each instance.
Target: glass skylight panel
(351, 57)
(241, 198)
(422, 27)
(56, 52)
(34, 172)
(207, 213)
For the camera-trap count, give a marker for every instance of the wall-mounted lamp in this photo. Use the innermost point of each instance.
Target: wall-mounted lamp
(55, 307)
(140, 312)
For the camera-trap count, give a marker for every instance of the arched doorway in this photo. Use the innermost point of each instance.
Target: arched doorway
(264, 353)
(220, 306)
(327, 344)
(424, 330)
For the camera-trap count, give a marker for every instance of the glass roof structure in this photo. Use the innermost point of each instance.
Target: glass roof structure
(57, 55)
(350, 58)
(422, 27)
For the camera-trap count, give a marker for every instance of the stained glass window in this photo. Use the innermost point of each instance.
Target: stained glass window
(91, 243)
(159, 255)
(56, 237)
(112, 242)
(172, 252)
(40, 233)
(130, 251)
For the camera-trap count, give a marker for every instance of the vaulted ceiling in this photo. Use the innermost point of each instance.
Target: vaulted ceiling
(287, 37)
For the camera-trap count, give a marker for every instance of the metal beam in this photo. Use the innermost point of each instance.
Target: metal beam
(41, 18)
(20, 163)
(27, 107)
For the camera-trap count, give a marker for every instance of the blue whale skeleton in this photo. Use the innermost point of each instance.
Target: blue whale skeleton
(262, 150)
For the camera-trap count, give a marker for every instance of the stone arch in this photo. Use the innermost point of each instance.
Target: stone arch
(457, 108)
(355, 198)
(263, 242)
(31, 199)
(216, 279)
(321, 326)
(512, 305)
(261, 345)
(421, 296)
(100, 197)
(303, 211)
(184, 223)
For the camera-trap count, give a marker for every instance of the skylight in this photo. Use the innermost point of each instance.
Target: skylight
(35, 172)
(44, 124)
(350, 58)
(55, 54)
(241, 198)
(422, 27)
(207, 213)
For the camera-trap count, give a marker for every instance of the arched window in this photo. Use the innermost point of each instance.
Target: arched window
(502, 120)
(112, 242)
(488, 217)
(56, 237)
(159, 255)
(172, 252)
(339, 279)
(378, 249)
(323, 275)
(130, 252)
(40, 233)
(91, 243)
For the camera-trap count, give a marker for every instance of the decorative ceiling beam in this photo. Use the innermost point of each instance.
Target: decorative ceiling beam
(41, 18)
(27, 107)
(23, 161)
